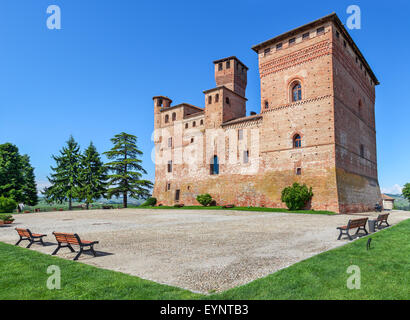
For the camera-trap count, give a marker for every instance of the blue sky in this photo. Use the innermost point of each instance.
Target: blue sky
(97, 75)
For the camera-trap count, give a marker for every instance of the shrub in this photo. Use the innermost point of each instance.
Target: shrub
(6, 217)
(204, 199)
(7, 205)
(150, 202)
(296, 196)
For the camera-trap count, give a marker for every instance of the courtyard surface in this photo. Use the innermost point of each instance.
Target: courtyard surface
(203, 251)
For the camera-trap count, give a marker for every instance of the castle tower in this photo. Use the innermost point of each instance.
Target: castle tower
(231, 73)
(160, 102)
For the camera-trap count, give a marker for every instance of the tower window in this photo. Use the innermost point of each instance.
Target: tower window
(266, 104)
(362, 151)
(159, 102)
(177, 194)
(227, 100)
(186, 125)
(240, 134)
(209, 99)
(170, 166)
(174, 116)
(344, 43)
(194, 124)
(305, 36)
(337, 34)
(292, 41)
(214, 165)
(220, 67)
(266, 51)
(246, 156)
(217, 97)
(320, 31)
(166, 118)
(297, 141)
(228, 64)
(169, 142)
(168, 187)
(192, 140)
(296, 92)
(298, 171)
(279, 46)
(201, 122)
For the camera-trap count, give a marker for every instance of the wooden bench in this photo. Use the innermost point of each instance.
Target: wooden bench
(26, 234)
(382, 218)
(66, 240)
(352, 224)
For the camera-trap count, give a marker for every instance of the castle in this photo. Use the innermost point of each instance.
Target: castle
(316, 126)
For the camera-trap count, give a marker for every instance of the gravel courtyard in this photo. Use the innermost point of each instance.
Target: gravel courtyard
(200, 250)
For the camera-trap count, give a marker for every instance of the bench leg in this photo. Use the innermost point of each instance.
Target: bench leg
(56, 250)
(41, 241)
(18, 242)
(92, 251)
(348, 234)
(70, 247)
(30, 244)
(340, 235)
(79, 253)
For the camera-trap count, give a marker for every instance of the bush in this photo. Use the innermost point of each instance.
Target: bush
(6, 217)
(150, 202)
(7, 205)
(204, 199)
(296, 196)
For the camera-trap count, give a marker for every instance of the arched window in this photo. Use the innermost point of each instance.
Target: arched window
(296, 92)
(201, 122)
(215, 165)
(194, 124)
(174, 116)
(297, 141)
(166, 118)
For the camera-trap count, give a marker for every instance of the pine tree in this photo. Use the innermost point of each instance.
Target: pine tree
(93, 176)
(65, 180)
(126, 178)
(11, 173)
(30, 186)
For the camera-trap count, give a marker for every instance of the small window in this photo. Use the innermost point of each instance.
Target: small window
(170, 166)
(298, 171)
(228, 64)
(169, 142)
(296, 92)
(214, 165)
(246, 156)
(305, 36)
(344, 43)
(209, 99)
(292, 41)
(186, 125)
(194, 124)
(266, 104)
(168, 186)
(337, 34)
(362, 151)
(297, 142)
(159, 102)
(166, 118)
(266, 51)
(240, 134)
(320, 31)
(177, 194)
(227, 100)
(217, 97)
(220, 67)
(174, 116)
(279, 46)
(201, 122)
(192, 140)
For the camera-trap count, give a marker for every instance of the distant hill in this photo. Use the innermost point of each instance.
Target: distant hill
(400, 202)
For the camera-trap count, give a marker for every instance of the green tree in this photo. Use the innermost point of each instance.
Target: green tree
(11, 173)
(296, 196)
(126, 169)
(65, 179)
(406, 191)
(30, 186)
(93, 176)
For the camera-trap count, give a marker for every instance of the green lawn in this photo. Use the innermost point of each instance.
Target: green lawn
(258, 209)
(385, 274)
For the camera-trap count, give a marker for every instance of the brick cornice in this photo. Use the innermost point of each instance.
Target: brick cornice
(294, 104)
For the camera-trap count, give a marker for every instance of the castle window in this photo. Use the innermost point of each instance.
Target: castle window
(192, 140)
(305, 36)
(246, 156)
(194, 124)
(266, 104)
(168, 187)
(344, 43)
(220, 67)
(228, 64)
(320, 31)
(296, 92)
(298, 171)
(214, 165)
(177, 194)
(201, 122)
(337, 34)
(227, 100)
(170, 166)
(209, 99)
(240, 134)
(186, 125)
(159, 102)
(166, 118)
(292, 41)
(174, 116)
(169, 142)
(279, 46)
(297, 141)
(360, 107)
(266, 51)
(217, 97)
(362, 151)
